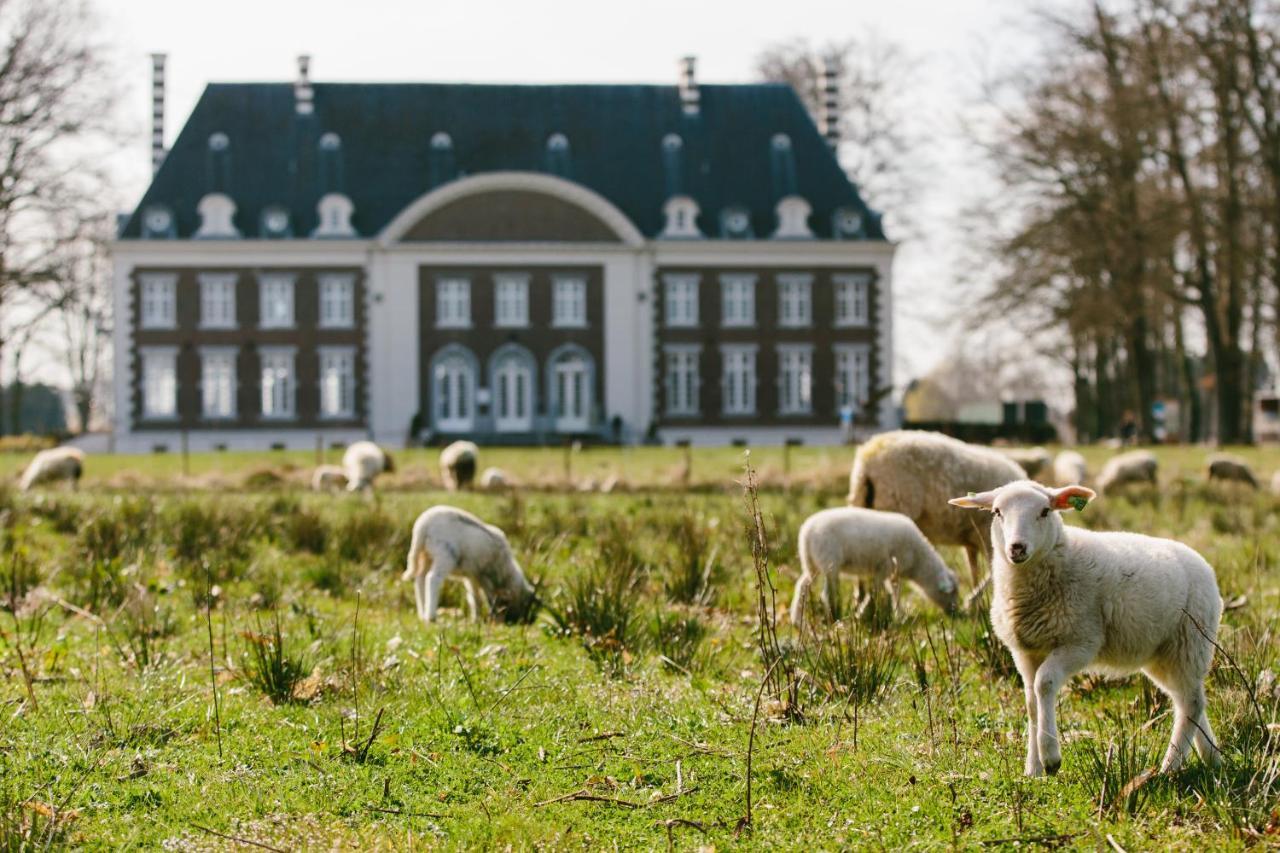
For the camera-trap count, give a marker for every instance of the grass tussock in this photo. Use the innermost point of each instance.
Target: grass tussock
(270, 665)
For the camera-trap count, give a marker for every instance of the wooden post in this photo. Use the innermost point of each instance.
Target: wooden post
(787, 444)
(686, 476)
(319, 450)
(186, 456)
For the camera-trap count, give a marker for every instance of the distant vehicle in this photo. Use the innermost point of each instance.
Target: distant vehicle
(1266, 416)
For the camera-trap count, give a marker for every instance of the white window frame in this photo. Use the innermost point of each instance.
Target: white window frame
(795, 300)
(465, 421)
(850, 372)
(153, 358)
(682, 378)
(802, 404)
(336, 294)
(208, 356)
(680, 300)
(290, 409)
(565, 420)
(346, 395)
(748, 353)
(738, 300)
(270, 284)
(511, 300)
(512, 368)
(852, 300)
(217, 300)
(453, 302)
(158, 301)
(569, 301)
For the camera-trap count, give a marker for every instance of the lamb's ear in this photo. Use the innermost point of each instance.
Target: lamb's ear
(981, 500)
(1071, 497)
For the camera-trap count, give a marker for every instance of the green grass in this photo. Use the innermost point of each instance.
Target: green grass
(359, 725)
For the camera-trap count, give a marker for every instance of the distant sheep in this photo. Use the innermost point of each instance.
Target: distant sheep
(1033, 460)
(870, 544)
(494, 480)
(1069, 469)
(363, 462)
(914, 473)
(446, 541)
(1275, 483)
(458, 464)
(1068, 600)
(1136, 466)
(328, 478)
(1226, 468)
(57, 463)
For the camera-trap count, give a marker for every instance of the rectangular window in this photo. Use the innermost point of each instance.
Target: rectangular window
(453, 303)
(159, 382)
(218, 383)
(795, 300)
(159, 301)
(337, 382)
(278, 383)
(511, 300)
(680, 299)
(218, 301)
(851, 300)
(276, 290)
(795, 380)
(738, 300)
(569, 301)
(739, 379)
(683, 380)
(853, 375)
(337, 301)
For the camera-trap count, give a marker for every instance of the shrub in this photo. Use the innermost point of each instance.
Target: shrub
(600, 608)
(678, 639)
(369, 537)
(848, 663)
(303, 530)
(270, 666)
(692, 574)
(145, 623)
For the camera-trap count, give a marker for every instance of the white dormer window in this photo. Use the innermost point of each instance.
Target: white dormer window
(681, 214)
(738, 300)
(276, 301)
(793, 218)
(334, 212)
(569, 302)
(557, 142)
(330, 142)
(337, 300)
(795, 300)
(217, 217)
(453, 303)
(158, 298)
(680, 300)
(218, 301)
(441, 141)
(852, 306)
(511, 300)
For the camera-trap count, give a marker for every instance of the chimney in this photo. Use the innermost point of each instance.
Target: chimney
(303, 94)
(830, 115)
(689, 98)
(157, 111)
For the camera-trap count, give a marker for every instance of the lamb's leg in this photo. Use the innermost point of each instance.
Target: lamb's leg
(1060, 665)
(831, 594)
(1188, 714)
(440, 570)
(1026, 665)
(472, 607)
(420, 595)
(1206, 743)
(800, 600)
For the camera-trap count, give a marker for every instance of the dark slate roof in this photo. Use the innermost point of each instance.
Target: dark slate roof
(615, 134)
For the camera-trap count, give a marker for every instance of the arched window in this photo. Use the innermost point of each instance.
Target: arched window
(453, 390)
(512, 370)
(572, 376)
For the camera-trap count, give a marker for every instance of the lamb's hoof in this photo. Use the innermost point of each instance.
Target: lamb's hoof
(1051, 767)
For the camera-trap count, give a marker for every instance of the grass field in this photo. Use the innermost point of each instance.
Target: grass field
(625, 716)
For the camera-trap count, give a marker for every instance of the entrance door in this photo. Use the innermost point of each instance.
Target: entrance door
(573, 393)
(513, 385)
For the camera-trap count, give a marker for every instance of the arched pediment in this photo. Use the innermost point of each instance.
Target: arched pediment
(523, 207)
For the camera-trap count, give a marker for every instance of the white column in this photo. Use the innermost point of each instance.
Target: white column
(392, 346)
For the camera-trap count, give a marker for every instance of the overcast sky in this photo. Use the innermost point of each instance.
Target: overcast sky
(953, 41)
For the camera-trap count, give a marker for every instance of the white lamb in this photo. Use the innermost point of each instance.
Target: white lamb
(448, 540)
(1136, 466)
(458, 464)
(1226, 468)
(494, 480)
(868, 543)
(363, 462)
(914, 473)
(56, 463)
(1069, 468)
(328, 478)
(1069, 599)
(1033, 460)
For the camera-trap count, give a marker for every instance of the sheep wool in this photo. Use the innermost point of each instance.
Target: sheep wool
(1069, 468)
(328, 478)
(57, 463)
(1136, 466)
(494, 480)
(363, 462)
(458, 463)
(915, 472)
(1225, 468)
(1034, 461)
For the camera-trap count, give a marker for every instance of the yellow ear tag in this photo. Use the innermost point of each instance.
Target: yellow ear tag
(1078, 501)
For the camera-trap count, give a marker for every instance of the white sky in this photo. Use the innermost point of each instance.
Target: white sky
(954, 41)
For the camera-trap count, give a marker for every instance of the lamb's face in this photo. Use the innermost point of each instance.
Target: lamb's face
(1026, 516)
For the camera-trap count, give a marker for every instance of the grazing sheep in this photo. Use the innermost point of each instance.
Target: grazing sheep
(610, 484)
(1230, 469)
(328, 478)
(363, 462)
(56, 463)
(1069, 599)
(872, 544)
(458, 464)
(495, 480)
(1069, 469)
(1136, 466)
(448, 540)
(1033, 460)
(915, 472)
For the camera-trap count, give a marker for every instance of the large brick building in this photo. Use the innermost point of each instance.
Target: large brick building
(513, 264)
